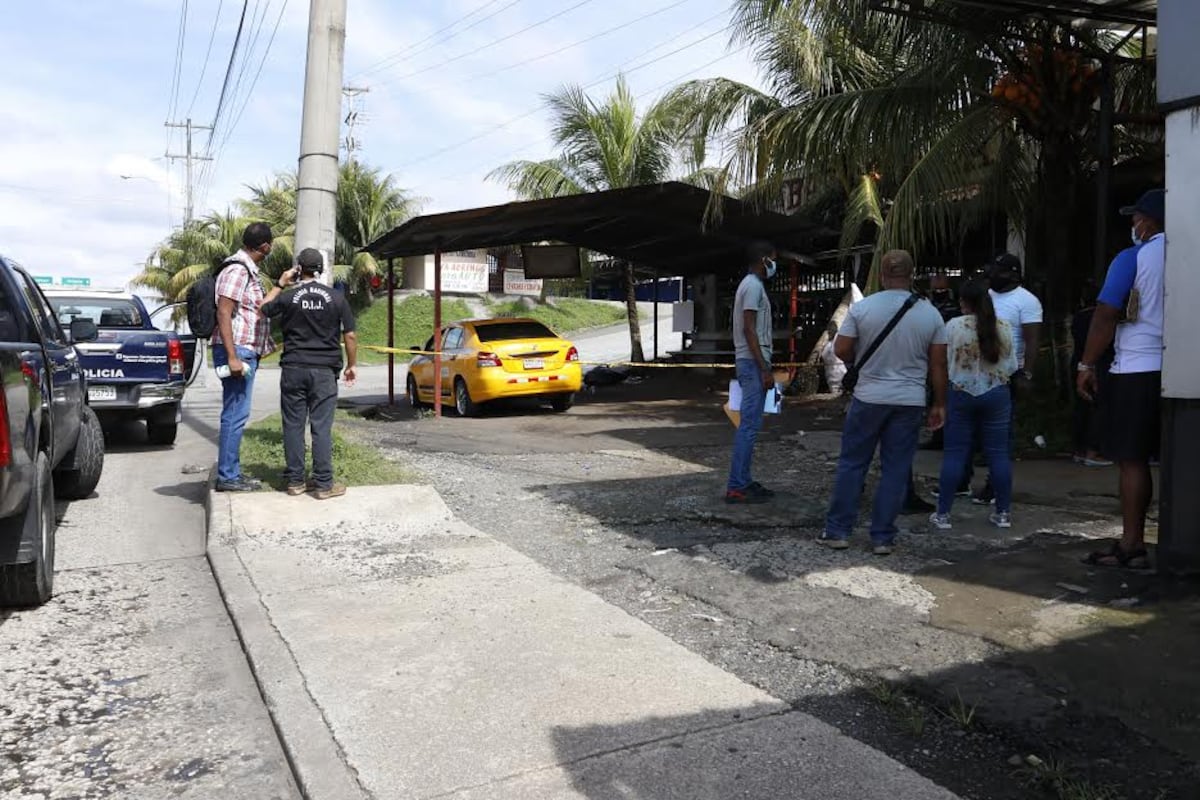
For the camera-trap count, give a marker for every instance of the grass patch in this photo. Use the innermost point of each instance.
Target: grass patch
(414, 324)
(353, 464)
(566, 316)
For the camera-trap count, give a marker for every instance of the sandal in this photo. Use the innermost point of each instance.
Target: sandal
(1117, 557)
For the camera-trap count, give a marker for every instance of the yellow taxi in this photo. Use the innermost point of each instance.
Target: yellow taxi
(492, 359)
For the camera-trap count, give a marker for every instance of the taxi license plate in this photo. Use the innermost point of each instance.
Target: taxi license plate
(102, 393)
(535, 363)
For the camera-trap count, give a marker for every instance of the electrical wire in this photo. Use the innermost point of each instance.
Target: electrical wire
(254, 82)
(237, 39)
(400, 54)
(592, 38)
(212, 35)
(177, 79)
(489, 45)
(513, 120)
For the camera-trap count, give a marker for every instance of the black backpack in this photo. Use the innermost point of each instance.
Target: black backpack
(202, 302)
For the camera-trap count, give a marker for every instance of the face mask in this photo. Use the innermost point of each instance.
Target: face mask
(1133, 235)
(941, 294)
(772, 268)
(1002, 282)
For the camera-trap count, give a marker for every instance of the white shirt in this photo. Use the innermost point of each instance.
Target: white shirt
(1139, 344)
(1018, 307)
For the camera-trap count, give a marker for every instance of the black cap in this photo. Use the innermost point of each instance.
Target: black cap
(310, 260)
(1153, 204)
(1005, 262)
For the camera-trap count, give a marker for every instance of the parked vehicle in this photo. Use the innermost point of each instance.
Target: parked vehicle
(491, 359)
(134, 370)
(51, 444)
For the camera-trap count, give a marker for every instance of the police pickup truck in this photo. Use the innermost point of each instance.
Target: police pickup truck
(134, 370)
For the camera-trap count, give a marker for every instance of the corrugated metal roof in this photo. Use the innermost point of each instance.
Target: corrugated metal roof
(1136, 13)
(663, 226)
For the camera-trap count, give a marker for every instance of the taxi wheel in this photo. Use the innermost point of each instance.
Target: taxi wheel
(414, 397)
(463, 403)
(562, 402)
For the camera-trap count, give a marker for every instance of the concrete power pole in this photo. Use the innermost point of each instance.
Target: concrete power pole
(320, 129)
(188, 157)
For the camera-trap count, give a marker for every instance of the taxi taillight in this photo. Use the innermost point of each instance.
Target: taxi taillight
(572, 354)
(487, 360)
(174, 357)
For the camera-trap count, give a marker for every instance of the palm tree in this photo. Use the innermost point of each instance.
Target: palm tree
(602, 144)
(924, 129)
(369, 204)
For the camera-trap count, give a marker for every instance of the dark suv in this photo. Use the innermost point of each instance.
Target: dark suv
(51, 444)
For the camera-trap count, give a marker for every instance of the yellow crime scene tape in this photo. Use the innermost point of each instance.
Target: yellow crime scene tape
(400, 351)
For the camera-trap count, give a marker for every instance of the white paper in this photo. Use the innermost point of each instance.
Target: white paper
(772, 403)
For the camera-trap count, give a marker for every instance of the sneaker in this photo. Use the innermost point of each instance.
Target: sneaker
(744, 496)
(1001, 519)
(985, 496)
(336, 490)
(1095, 462)
(832, 542)
(758, 489)
(916, 505)
(238, 486)
(297, 489)
(882, 549)
(940, 521)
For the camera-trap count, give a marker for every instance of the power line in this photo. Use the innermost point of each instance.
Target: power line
(253, 83)
(212, 35)
(172, 104)
(490, 44)
(399, 55)
(592, 38)
(509, 122)
(229, 67)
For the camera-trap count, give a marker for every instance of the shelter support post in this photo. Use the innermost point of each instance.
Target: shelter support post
(437, 331)
(391, 339)
(793, 312)
(656, 315)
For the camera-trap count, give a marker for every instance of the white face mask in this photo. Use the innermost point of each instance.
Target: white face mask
(772, 268)
(1133, 235)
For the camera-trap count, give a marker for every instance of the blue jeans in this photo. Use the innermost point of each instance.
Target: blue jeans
(894, 430)
(985, 421)
(754, 395)
(235, 413)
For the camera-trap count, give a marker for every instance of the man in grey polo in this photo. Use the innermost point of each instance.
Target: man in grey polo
(888, 403)
(752, 356)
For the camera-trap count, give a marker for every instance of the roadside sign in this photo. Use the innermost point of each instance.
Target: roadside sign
(44, 280)
(76, 281)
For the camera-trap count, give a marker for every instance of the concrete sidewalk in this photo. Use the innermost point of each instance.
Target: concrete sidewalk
(404, 654)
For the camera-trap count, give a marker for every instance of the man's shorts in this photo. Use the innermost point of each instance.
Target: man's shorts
(1132, 409)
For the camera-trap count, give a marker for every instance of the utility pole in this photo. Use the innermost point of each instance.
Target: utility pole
(188, 157)
(354, 116)
(320, 129)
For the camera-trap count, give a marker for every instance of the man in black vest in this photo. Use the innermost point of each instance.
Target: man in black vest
(315, 320)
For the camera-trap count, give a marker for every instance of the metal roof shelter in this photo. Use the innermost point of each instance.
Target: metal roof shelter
(665, 226)
(1120, 13)
(673, 228)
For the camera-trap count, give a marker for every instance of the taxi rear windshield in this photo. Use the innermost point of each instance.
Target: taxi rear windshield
(503, 331)
(105, 312)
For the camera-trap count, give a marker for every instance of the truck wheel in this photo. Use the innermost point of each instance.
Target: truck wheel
(562, 402)
(87, 461)
(32, 583)
(161, 426)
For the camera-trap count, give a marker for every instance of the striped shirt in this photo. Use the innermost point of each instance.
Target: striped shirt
(240, 282)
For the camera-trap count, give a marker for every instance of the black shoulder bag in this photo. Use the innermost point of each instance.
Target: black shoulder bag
(850, 379)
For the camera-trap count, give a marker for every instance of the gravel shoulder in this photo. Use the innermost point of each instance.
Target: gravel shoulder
(622, 498)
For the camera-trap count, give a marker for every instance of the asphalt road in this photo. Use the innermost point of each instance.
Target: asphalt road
(131, 682)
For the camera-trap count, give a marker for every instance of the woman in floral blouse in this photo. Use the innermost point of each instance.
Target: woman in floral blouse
(981, 359)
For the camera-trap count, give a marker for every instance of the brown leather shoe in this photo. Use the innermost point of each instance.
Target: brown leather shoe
(336, 490)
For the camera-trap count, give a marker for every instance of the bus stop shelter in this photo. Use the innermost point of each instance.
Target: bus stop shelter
(671, 228)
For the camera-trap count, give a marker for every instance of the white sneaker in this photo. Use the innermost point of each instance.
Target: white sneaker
(940, 521)
(1001, 519)
(832, 542)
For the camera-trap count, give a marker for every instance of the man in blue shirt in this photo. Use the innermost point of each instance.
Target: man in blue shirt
(1129, 316)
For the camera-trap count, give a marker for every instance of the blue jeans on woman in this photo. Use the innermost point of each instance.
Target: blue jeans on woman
(894, 430)
(236, 396)
(985, 420)
(754, 396)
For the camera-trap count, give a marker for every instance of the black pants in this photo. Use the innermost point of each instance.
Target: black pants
(1087, 418)
(308, 393)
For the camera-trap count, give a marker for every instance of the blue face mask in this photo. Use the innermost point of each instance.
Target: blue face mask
(772, 268)
(1133, 235)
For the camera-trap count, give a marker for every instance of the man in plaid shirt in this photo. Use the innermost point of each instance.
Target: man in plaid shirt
(242, 337)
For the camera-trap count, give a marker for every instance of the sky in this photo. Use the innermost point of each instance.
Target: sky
(454, 90)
